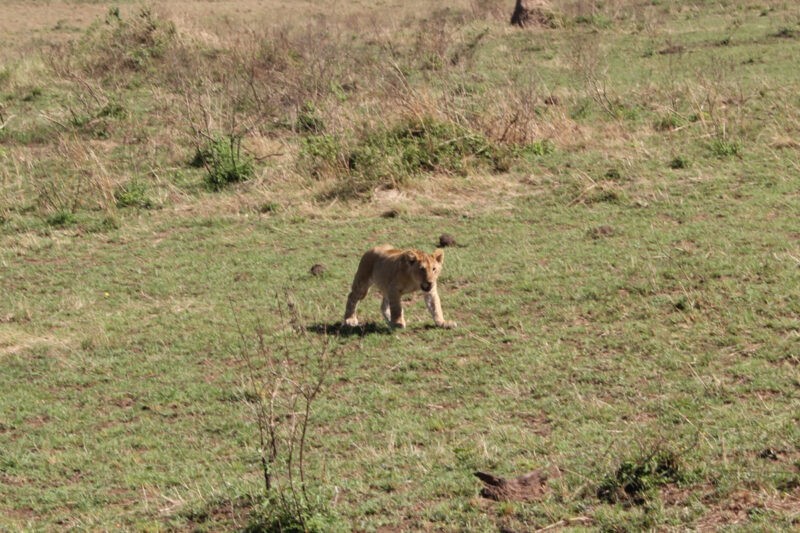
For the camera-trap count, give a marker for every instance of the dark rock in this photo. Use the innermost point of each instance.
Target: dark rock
(525, 488)
(601, 231)
(447, 240)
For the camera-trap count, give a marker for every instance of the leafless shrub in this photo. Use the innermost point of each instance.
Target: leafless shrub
(589, 65)
(286, 372)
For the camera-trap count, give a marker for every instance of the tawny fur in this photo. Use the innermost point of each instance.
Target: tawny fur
(395, 273)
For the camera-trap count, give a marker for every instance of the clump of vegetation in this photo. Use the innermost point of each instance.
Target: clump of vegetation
(133, 194)
(131, 43)
(597, 20)
(309, 120)
(679, 162)
(635, 481)
(224, 162)
(722, 147)
(272, 517)
(386, 157)
(672, 121)
(62, 219)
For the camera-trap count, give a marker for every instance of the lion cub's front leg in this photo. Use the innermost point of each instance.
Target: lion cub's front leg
(395, 316)
(435, 309)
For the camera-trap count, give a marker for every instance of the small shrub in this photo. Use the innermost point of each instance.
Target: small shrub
(62, 219)
(133, 194)
(309, 121)
(321, 155)
(224, 162)
(414, 147)
(698, 117)
(32, 95)
(276, 517)
(113, 110)
(671, 121)
(597, 20)
(131, 43)
(534, 149)
(268, 207)
(785, 33)
(679, 162)
(722, 147)
(635, 481)
(5, 77)
(385, 157)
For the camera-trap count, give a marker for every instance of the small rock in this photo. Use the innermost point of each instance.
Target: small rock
(447, 240)
(318, 269)
(601, 231)
(769, 453)
(525, 488)
(391, 213)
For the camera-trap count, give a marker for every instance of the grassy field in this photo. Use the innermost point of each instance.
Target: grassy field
(624, 186)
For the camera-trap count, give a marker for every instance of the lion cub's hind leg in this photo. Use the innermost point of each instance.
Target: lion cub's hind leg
(355, 296)
(385, 309)
(361, 284)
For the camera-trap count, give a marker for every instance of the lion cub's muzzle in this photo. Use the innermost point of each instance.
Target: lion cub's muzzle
(426, 286)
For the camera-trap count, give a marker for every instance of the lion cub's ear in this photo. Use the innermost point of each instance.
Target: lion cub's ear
(411, 257)
(439, 255)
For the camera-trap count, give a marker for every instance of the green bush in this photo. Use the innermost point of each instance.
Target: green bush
(133, 194)
(671, 121)
(62, 219)
(280, 517)
(636, 480)
(224, 162)
(129, 43)
(309, 121)
(722, 147)
(389, 156)
(679, 162)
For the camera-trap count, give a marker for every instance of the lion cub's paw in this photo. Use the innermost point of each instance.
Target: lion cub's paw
(352, 322)
(448, 324)
(400, 325)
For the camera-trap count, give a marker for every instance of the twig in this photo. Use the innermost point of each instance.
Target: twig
(51, 119)
(566, 522)
(6, 121)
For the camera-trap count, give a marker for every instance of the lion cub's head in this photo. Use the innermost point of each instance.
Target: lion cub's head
(425, 267)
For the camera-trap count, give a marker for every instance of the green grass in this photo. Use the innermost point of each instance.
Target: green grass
(121, 370)
(626, 285)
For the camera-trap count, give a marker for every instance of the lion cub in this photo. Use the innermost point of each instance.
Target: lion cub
(395, 273)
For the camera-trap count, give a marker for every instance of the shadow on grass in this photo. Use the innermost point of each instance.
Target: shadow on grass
(340, 330)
